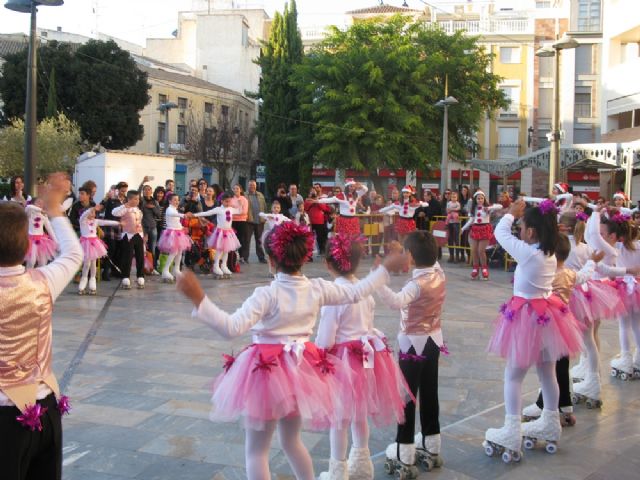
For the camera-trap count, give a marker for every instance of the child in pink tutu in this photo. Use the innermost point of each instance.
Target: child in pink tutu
(534, 327)
(420, 341)
(372, 384)
(42, 245)
(223, 239)
(173, 241)
(92, 247)
(281, 380)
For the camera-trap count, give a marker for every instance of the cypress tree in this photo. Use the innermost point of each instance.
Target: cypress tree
(52, 97)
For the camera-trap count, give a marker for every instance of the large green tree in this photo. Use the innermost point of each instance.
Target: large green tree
(96, 85)
(279, 126)
(371, 92)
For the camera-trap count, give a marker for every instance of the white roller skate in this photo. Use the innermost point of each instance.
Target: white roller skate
(428, 451)
(579, 371)
(588, 391)
(531, 412)
(167, 278)
(92, 286)
(337, 471)
(140, 283)
(505, 441)
(126, 284)
(546, 428)
(360, 464)
(401, 461)
(217, 272)
(622, 366)
(225, 270)
(82, 286)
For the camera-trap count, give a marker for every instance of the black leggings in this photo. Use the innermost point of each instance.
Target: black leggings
(128, 248)
(422, 378)
(564, 382)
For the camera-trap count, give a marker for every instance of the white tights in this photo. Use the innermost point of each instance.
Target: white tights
(89, 269)
(340, 438)
(257, 443)
(220, 257)
(630, 322)
(591, 350)
(176, 258)
(513, 377)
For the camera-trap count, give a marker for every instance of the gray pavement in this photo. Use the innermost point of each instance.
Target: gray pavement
(138, 370)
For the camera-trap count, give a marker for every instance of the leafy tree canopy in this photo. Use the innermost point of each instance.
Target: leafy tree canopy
(371, 92)
(96, 85)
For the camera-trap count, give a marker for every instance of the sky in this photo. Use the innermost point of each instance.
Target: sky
(135, 20)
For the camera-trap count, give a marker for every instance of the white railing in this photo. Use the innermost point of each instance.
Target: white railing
(478, 27)
(317, 32)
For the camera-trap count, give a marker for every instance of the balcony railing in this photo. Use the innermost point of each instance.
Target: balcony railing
(507, 151)
(485, 26)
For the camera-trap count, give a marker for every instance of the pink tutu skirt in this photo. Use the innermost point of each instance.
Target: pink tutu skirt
(92, 248)
(536, 330)
(266, 383)
(224, 240)
(174, 241)
(600, 301)
(629, 294)
(379, 393)
(42, 249)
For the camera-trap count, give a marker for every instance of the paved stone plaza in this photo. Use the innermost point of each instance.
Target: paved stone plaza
(138, 370)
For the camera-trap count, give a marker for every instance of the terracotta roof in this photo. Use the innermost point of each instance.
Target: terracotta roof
(12, 43)
(380, 9)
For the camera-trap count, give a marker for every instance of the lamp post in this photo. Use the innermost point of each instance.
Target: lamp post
(564, 43)
(31, 109)
(164, 108)
(444, 162)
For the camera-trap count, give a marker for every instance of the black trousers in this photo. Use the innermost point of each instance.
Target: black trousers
(422, 378)
(255, 230)
(243, 238)
(113, 253)
(321, 232)
(27, 455)
(564, 382)
(130, 246)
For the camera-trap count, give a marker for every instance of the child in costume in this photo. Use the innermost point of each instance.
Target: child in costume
(223, 239)
(131, 239)
(347, 222)
(92, 247)
(420, 340)
(406, 209)
(481, 232)
(30, 402)
(42, 245)
(173, 241)
(534, 327)
(373, 385)
(272, 220)
(281, 380)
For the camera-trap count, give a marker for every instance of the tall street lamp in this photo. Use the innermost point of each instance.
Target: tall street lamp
(31, 109)
(164, 108)
(444, 162)
(564, 43)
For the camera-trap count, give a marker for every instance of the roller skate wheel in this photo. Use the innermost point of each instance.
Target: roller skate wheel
(575, 399)
(624, 377)
(428, 464)
(551, 447)
(529, 443)
(488, 449)
(437, 461)
(92, 292)
(507, 457)
(516, 457)
(81, 292)
(389, 467)
(568, 420)
(614, 372)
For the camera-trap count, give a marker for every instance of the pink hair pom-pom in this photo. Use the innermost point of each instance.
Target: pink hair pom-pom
(340, 249)
(283, 234)
(547, 206)
(582, 217)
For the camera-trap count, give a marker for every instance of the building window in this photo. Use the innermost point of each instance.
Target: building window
(543, 3)
(225, 110)
(584, 59)
(182, 103)
(509, 54)
(161, 131)
(545, 67)
(582, 135)
(182, 134)
(589, 14)
(162, 99)
(208, 108)
(583, 102)
(508, 143)
(543, 140)
(208, 137)
(513, 97)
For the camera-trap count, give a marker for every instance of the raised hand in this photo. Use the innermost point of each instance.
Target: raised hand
(54, 192)
(189, 285)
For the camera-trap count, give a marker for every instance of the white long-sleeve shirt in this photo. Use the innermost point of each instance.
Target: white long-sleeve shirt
(272, 220)
(88, 227)
(344, 323)
(481, 216)
(404, 209)
(347, 206)
(224, 216)
(287, 309)
(39, 222)
(535, 271)
(579, 254)
(173, 217)
(607, 266)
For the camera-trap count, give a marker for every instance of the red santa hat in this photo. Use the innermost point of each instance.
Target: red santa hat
(562, 187)
(409, 189)
(349, 181)
(621, 195)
